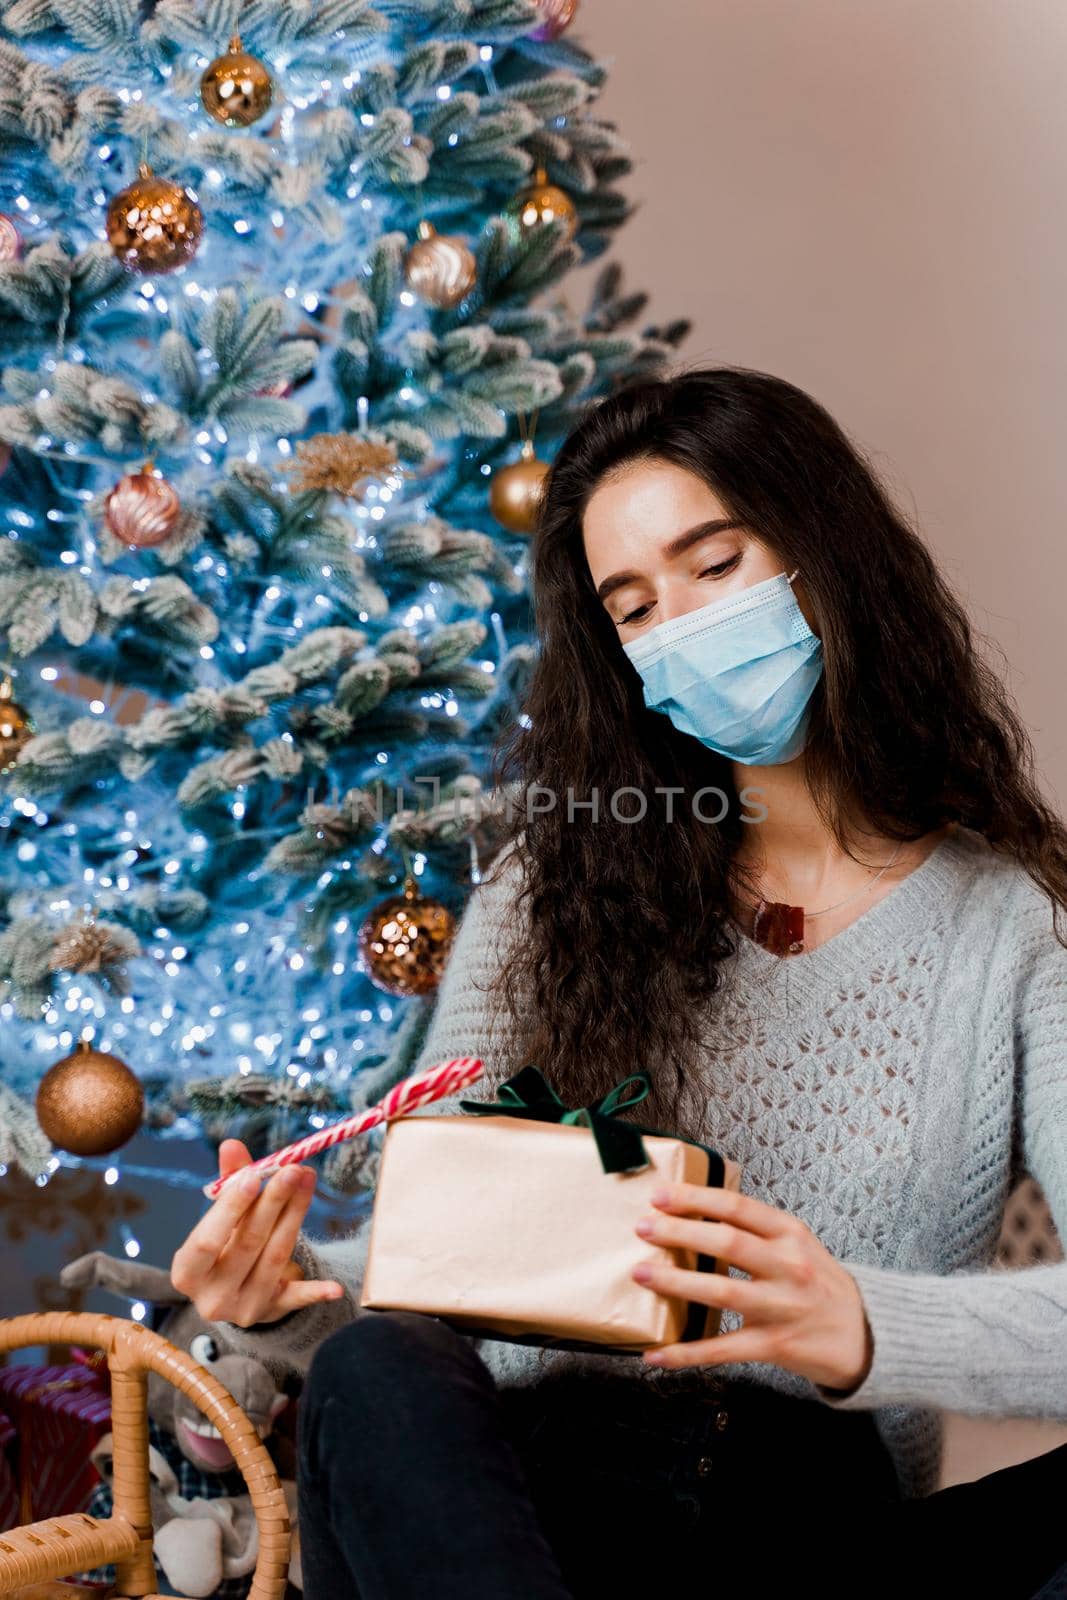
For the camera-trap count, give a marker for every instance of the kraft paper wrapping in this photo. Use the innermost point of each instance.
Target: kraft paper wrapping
(511, 1228)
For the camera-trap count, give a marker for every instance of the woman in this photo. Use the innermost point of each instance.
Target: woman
(783, 848)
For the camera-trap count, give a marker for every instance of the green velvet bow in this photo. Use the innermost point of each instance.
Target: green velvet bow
(619, 1144)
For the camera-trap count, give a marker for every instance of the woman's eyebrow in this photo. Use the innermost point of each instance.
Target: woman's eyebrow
(676, 547)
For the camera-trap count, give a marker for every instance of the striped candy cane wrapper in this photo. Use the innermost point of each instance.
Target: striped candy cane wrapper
(407, 1095)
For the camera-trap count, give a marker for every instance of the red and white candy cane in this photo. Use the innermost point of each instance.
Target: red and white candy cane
(405, 1096)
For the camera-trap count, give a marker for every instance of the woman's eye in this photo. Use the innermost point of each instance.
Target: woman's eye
(723, 566)
(718, 571)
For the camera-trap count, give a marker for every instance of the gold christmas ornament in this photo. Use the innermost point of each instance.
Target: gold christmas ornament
(142, 509)
(16, 727)
(557, 14)
(542, 203)
(154, 225)
(341, 462)
(90, 1103)
(440, 268)
(515, 492)
(405, 942)
(236, 89)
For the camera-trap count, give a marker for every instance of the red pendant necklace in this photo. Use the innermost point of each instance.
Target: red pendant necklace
(779, 927)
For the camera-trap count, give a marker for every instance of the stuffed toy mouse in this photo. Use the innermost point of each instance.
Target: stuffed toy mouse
(205, 1534)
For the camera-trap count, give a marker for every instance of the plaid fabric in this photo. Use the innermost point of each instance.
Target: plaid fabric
(194, 1484)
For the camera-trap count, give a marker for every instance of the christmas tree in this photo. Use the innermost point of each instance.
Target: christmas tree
(285, 355)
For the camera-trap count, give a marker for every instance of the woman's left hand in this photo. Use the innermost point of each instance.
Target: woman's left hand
(802, 1309)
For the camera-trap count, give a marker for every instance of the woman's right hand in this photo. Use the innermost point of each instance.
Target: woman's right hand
(236, 1265)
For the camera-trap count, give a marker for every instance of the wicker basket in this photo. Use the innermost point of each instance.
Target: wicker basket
(66, 1545)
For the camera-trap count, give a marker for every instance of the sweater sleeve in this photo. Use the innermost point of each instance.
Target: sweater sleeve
(990, 1342)
(464, 1022)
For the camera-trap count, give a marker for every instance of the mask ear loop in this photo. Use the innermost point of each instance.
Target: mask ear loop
(792, 575)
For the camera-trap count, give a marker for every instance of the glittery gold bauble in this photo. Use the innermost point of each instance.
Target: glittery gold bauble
(515, 492)
(440, 268)
(542, 203)
(557, 14)
(153, 225)
(90, 1103)
(142, 509)
(16, 727)
(237, 88)
(405, 942)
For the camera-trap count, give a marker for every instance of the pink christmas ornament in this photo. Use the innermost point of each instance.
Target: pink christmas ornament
(557, 14)
(10, 239)
(142, 509)
(406, 1096)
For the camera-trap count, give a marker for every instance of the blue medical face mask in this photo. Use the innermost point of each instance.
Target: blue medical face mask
(736, 674)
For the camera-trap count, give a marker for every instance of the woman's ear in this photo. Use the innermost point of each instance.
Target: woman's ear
(803, 600)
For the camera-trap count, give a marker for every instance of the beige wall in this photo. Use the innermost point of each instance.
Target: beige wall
(867, 197)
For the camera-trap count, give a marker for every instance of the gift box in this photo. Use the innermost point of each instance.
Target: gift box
(59, 1413)
(9, 1489)
(515, 1220)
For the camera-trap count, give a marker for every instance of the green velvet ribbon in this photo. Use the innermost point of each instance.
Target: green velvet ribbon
(619, 1144)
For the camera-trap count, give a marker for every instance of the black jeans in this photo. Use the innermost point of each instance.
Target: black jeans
(419, 1479)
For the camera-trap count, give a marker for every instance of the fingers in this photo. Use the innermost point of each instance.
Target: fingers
(197, 1257)
(266, 1274)
(233, 1155)
(296, 1295)
(727, 1205)
(707, 1288)
(723, 1240)
(259, 1223)
(748, 1344)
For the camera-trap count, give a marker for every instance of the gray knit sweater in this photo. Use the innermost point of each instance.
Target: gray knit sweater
(889, 1087)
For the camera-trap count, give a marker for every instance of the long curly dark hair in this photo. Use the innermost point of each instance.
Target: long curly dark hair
(626, 924)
